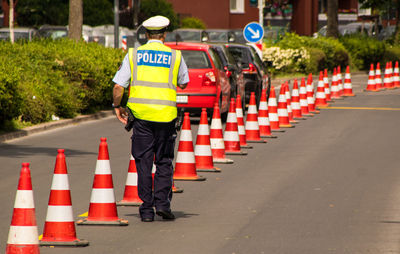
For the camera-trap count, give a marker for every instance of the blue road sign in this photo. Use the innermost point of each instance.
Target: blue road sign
(253, 32)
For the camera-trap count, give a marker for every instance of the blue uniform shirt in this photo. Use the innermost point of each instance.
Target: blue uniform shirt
(123, 75)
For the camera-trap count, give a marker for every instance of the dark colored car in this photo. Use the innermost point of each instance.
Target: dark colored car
(254, 71)
(233, 71)
(187, 35)
(53, 32)
(220, 35)
(208, 80)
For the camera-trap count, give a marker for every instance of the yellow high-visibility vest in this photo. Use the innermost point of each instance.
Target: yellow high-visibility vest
(154, 76)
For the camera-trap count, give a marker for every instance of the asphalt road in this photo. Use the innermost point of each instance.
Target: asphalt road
(329, 185)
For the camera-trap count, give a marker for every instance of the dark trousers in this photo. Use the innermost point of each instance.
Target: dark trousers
(154, 141)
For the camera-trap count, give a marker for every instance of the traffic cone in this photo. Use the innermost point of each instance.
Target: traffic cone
(59, 228)
(348, 88)
(339, 80)
(326, 84)
(295, 102)
(320, 100)
(102, 208)
(273, 111)
(386, 78)
(378, 77)
(252, 128)
(263, 118)
(185, 164)
(282, 109)
(131, 196)
(310, 95)
(303, 99)
(23, 234)
(396, 78)
(335, 94)
(288, 103)
(231, 135)
(371, 87)
(202, 150)
(217, 140)
(240, 121)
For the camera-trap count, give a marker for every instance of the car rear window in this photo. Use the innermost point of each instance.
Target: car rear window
(239, 54)
(196, 59)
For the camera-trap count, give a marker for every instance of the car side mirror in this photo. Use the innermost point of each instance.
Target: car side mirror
(231, 67)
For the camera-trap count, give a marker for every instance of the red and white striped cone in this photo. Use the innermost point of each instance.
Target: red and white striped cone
(348, 87)
(202, 150)
(231, 135)
(59, 228)
(131, 196)
(295, 102)
(303, 99)
(378, 77)
(23, 234)
(320, 100)
(273, 111)
(371, 87)
(326, 84)
(339, 80)
(310, 95)
(386, 78)
(185, 164)
(102, 208)
(263, 117)
(289, 104)
(217, 139)
(335, 94)
(240, 121)
(282, 109)
(396, 78)
(252, 128)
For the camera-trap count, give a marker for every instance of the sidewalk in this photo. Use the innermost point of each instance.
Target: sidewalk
(55, 124)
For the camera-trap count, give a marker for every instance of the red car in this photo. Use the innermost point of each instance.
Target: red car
(208, 80)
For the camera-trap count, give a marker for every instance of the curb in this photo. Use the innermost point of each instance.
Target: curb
(53, 125)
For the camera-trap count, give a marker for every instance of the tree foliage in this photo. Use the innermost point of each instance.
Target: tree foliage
(39, 12)
(149, 8)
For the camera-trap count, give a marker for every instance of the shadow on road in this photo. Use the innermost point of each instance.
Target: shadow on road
(178, 214)
(16, 151)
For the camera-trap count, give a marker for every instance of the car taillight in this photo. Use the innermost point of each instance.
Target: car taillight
(209, 79)
(252, 69)
(228, 73)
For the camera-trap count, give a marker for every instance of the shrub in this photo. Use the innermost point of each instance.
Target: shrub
(336, 53)
(317, 60)
(286, 60)
(363, 49)
(392, 53)
(44, 78)
(192, 22)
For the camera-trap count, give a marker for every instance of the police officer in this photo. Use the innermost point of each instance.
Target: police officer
(153, 72)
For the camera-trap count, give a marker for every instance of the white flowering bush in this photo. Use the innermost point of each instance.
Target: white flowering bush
(287, 60)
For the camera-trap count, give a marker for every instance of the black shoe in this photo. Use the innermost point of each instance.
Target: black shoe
(166, 215)
(148, 219)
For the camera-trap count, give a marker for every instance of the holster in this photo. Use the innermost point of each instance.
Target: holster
(131, 119)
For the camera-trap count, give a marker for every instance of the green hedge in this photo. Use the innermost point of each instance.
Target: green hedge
(336, 54)
(64, 78)
(364, 50)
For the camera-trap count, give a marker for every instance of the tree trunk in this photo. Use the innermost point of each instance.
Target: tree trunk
(75, 21)
(332, 26)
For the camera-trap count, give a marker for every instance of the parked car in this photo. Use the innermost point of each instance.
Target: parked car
(254, 71)
(221, 35)
(233, 71)
(54, 32)
(208, 80)
(239, 38)
(20, 33)
(188, 35)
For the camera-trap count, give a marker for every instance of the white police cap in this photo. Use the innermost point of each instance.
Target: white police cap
(156, 23)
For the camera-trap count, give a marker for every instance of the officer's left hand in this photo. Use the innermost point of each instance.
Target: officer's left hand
(121, 115)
